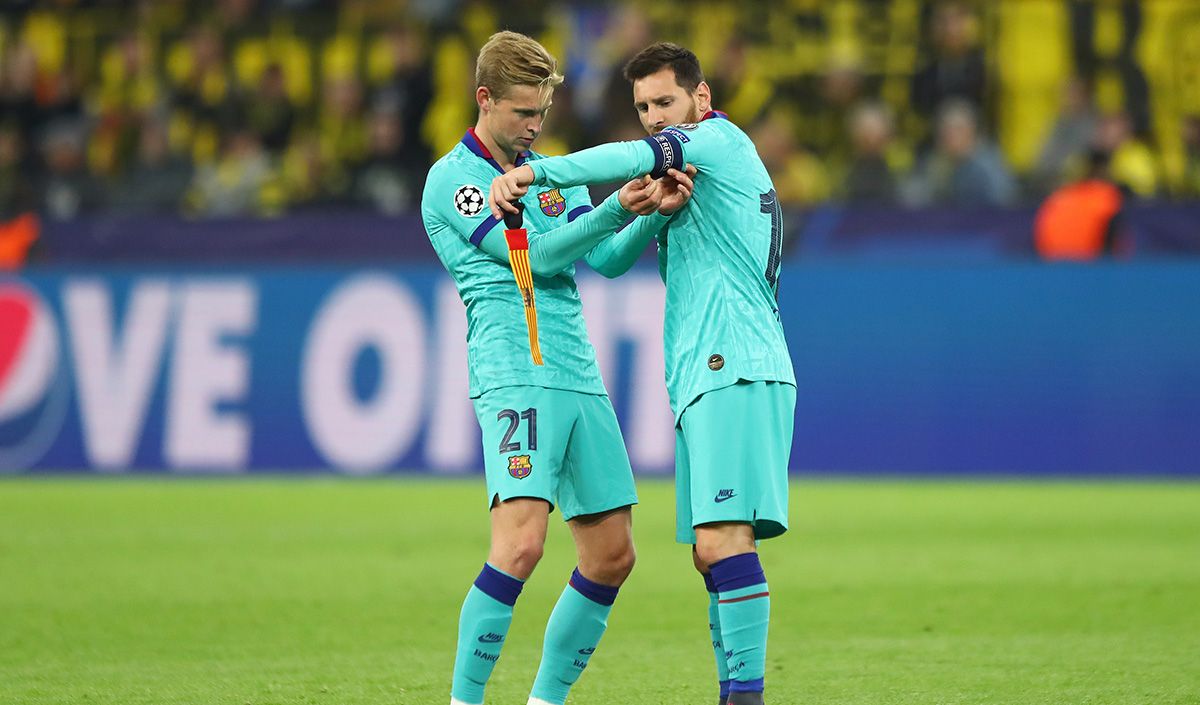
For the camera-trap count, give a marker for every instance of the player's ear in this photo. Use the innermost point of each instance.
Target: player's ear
(703, 97)
(482, 94)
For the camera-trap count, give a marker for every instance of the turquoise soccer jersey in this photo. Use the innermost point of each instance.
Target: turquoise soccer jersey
(562, 227)
(719, 255)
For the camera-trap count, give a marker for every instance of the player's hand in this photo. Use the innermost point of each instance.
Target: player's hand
(641, 196)
(676, 188)
(509, 187)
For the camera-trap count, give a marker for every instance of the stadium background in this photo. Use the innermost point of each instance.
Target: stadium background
(203, 183)
(215, 269)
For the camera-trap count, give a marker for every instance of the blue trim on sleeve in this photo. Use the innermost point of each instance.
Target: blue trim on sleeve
(668, 153)
(576, 212)
(600, 594)
(484, 228)
(498, 585)
(724, 688)
(737, 572)
(754, 686)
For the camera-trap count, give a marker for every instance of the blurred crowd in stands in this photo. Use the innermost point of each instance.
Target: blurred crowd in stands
(261, 107)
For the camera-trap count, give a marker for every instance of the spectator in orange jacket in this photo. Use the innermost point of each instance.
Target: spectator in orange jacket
(17, 238)
(1082, 220)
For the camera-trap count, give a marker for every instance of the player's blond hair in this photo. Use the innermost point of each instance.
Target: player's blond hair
(511, 59)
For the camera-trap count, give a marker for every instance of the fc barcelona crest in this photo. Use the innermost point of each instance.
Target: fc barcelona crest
(552, 202)
(519, 466)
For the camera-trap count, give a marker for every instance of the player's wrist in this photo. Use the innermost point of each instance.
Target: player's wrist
(616, 203)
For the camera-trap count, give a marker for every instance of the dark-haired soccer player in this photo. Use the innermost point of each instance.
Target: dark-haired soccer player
(550, 436)
(728, 372)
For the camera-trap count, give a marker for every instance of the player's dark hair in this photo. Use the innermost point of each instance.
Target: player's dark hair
(657, 57)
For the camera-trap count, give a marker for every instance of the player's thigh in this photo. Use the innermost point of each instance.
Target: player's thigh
(525, 436)
(739, 441)
(597, 475)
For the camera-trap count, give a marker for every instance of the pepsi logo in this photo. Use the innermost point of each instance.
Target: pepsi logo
(32, 392)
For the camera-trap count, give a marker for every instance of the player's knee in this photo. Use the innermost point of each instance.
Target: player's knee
(709, 552)
(716, 542)
(621, 563)
(704, 556)
(611, 567)
(528, 551)
(518, 555)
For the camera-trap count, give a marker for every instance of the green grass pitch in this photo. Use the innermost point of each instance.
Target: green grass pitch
(338, 591)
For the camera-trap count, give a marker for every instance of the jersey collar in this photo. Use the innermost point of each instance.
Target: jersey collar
(476, 145)
(714, 114)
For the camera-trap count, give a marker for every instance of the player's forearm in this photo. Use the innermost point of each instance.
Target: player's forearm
(615, 255)
(554, 251)
(615, 161)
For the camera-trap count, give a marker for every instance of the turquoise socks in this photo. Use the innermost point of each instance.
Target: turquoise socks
(743, 607)
(482, 627)
(575, 627)
(714, 629)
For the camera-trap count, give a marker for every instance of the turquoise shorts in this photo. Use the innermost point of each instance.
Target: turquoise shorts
(563, 447)
(731, 459)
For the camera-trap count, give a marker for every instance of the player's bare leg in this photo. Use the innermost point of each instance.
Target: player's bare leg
(518, 535)
(606, 555)
(739, 607)
(720, 540)
(604, 543)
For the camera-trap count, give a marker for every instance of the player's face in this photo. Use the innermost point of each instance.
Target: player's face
(515, 120)
(661, 102)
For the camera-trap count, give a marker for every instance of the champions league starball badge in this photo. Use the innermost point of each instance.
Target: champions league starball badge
(468, 200)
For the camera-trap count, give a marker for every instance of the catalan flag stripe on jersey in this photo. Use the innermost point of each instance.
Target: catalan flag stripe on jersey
(518, 258)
